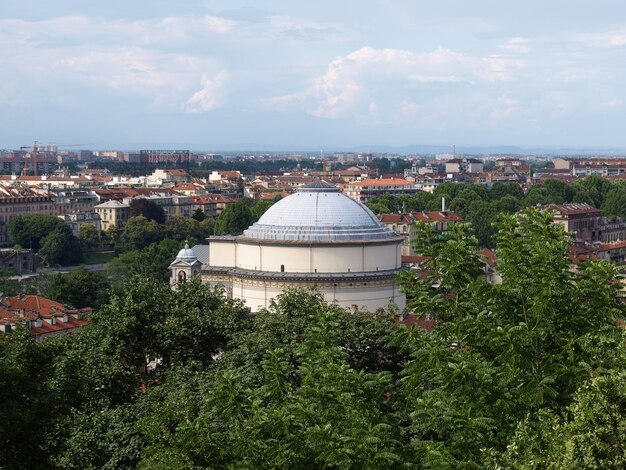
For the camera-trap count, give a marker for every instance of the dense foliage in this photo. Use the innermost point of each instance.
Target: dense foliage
(237, 217)
(147, 208)
(529, 373)
(47, 235)
(481, 205)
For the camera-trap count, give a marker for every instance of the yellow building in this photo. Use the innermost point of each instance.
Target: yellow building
(112, 214)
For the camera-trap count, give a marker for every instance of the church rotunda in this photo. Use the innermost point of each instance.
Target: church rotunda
(314, 237)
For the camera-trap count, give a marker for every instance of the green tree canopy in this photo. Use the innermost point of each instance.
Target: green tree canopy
(615, 203)
(60, 247)
(89, 236)
(28, 231)
(138, 233)
(500, 352)
(235, 218)
(149, 209)
(79, 288)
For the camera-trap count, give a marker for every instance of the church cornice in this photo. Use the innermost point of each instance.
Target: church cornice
(300, 277)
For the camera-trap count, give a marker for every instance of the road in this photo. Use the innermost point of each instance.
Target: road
(64, 270)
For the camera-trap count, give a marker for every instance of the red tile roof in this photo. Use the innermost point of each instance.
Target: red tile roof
(380, 182)
(45, 316)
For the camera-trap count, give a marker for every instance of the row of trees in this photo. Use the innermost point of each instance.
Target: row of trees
(481, 205)
(526, 374)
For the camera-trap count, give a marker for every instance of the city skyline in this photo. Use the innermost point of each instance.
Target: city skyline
(215, 73)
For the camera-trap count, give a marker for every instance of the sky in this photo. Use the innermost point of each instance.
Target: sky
(318, 74)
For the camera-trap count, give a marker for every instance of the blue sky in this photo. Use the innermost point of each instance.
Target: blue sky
(325, 74)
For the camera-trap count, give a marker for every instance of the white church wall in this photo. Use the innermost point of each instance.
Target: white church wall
(381, 258)
(222, 253)
(336, 259)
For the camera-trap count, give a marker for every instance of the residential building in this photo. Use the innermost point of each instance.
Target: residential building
(41, 316)
(367, 189)
(112, 214)
(403, 224)
(613, 230)
(464, 165)
(583, 220)
(18, 201)
(78, 219)
(69, 201)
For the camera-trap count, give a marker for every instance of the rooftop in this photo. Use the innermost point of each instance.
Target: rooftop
(318, 212)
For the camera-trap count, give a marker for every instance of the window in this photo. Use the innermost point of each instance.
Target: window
(282, 268)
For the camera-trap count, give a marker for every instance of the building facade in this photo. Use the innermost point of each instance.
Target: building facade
(367, 189)
(112, 214)
(18, 201)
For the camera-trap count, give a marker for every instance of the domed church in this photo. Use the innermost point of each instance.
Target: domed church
(314, 237)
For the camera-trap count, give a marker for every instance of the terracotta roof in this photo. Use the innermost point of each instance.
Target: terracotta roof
(412, 217)
(52, 316)
(41, 305)
(380, 182)
(488, 256)
(414, 259)
(413, 319)
(573, 209)
(175, 172)
(58, 326)
(230, 174)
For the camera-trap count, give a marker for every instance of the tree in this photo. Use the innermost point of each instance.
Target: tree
(80, 288)
(60, 247)
(199, 215)
(148, 209)
(8, 287)
(259, 208)
(138, 233)
(89, 236)
(305, 403)
(29, 231)
(501, 352)
(25, 410)
(615, 203)
(595, 189)
(592, 434)
(235, 218)
(151, 262)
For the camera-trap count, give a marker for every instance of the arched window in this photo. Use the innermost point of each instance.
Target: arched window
(182, 276)
(282, 268)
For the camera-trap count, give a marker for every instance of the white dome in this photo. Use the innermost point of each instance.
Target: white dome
(186, 253)
(318, 212)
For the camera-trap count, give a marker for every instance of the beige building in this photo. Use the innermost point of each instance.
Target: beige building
(78, 219)
(315, 237)
(112, 214)
(18, 201)
(582, 220)
(69, 201)
(365, 190)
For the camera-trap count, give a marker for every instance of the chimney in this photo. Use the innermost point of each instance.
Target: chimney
(443, 204)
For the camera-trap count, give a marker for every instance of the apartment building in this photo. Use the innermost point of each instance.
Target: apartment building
(367, 189)
(18, 201)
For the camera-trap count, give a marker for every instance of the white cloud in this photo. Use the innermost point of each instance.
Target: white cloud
(517, 45)
(210, 96)
(289, 26)
(388, 76)
(608, 39)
